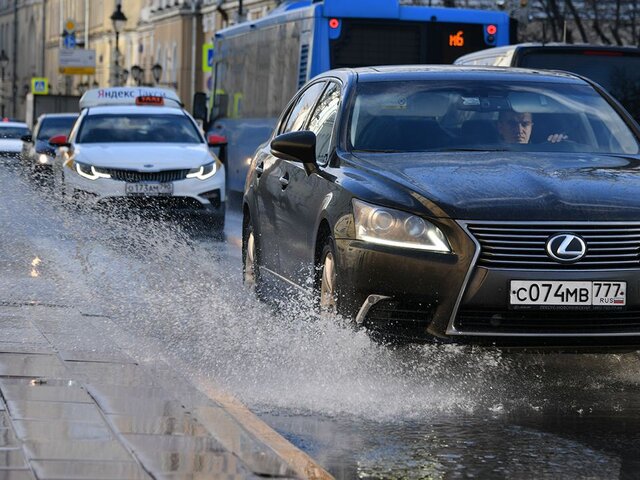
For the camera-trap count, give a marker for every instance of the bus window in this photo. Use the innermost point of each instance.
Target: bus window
(617, 72)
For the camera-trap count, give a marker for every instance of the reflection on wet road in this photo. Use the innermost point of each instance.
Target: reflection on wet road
(362, 409)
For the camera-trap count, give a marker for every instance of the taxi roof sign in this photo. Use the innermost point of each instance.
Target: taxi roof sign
(101, 97)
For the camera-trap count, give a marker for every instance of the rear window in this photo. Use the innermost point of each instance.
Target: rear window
(374, 42)
(617, 72)
(13, 132)
(136, 128)
(486, 116)
(53, 126)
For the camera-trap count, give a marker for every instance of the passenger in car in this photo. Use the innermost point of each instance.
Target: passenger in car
(514, 127)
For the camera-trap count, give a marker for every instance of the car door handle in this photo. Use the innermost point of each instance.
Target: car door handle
(284, 180)
(260, 169)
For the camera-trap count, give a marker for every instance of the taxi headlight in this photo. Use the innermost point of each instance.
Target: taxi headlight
(393, 228)
(89, 171)
(203, 172)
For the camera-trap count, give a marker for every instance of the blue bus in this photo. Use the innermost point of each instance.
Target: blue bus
(258, 66)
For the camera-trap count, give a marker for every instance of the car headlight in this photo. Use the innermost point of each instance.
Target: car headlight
(203, 172)
(386, 226)
(43, 159)
(89, 171)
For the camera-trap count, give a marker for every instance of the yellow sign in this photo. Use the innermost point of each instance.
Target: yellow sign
(77, 70)
(69, 26)
(207, 57)
(40, 86)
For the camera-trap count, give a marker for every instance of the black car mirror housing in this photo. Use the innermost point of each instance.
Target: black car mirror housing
(27, 138)
(297, 147)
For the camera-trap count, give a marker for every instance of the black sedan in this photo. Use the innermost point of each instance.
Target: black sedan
(459, 204)
(37, 154)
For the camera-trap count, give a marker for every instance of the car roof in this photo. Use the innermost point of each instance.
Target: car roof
(454, 72)
(554, 46)
(13, 124)
(129, 109)
(59, 115)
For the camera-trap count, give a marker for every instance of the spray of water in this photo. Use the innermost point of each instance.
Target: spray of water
(181, 291)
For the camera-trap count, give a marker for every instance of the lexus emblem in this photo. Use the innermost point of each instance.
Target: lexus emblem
(566, 248)
(148, 165)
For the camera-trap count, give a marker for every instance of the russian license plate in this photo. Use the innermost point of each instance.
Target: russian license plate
(562, 294)
(149, 189)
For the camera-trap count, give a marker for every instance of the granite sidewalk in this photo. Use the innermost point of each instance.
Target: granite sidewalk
(78, 404)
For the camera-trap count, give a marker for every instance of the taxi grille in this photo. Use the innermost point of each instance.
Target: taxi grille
(134, 176)
(522, 246)
(549, 321)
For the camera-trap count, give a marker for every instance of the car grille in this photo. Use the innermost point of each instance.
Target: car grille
(522, 246)
(549, 321)
(133, 176)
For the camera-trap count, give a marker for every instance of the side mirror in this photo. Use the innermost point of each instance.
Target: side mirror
(297, 147)
(216, 140)
(200, 106)
(27, 139)
(59, 141)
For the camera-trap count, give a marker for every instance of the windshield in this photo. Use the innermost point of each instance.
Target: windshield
(13, 132)
(137, 128)
(50, 127)
(486, 115)
(618, 73)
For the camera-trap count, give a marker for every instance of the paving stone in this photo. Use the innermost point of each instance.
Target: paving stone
(138, 406)
(79, 341)
(70, 394)
(13, 474)
(13, 321)
(8, 438)
(53, 431)
(163, 455)
(123, 374)
(182, 425)
(30, 348)
(77, 450)
(79, 412)
(25, 365)
(12, 458)
(22, 335)
(93, 470)
(113, 356)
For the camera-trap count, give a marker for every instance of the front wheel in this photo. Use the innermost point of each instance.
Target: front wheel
(250, 268)
(328, 280)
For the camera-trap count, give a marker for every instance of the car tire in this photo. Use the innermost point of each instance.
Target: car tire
(327, 297)
(250, 256)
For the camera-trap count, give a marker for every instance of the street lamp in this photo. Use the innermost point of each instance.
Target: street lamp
(137, 74)
(156, 70)
(4, 61)
(118, 19)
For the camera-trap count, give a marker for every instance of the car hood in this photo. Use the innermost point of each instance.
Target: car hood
(147, 157)
(516, 186)
(10, 145)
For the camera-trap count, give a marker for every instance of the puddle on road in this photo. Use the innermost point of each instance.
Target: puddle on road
(181, 291)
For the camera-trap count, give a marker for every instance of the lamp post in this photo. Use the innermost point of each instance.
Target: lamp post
(156, 70)
(4, 61)
(118, 19)
(137, 74)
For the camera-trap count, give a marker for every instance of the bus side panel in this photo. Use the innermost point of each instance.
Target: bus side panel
(244, 136)
(321, 58)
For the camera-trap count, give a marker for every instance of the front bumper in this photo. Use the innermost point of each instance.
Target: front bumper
(190, 195)
(448, 296)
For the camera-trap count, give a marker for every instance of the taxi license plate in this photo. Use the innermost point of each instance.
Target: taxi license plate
(561, 294)
(149, 189)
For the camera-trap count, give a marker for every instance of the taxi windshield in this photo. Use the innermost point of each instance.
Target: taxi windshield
(138, 128)
(486, 116)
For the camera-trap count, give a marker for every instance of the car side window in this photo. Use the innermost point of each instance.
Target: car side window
(323, 120)
(302, 108)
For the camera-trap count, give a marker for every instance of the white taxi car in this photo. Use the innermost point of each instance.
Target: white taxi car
(138, 144)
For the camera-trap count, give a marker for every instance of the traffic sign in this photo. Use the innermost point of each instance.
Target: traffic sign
(77, 61)
(70, 26)
(40, 86)
(69, 40)
(207, 57)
